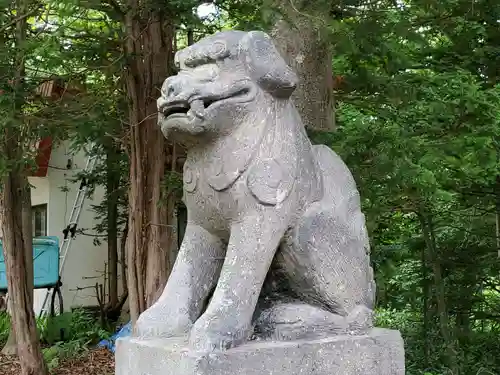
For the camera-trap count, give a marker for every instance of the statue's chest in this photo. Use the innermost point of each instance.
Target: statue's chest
(208, 205)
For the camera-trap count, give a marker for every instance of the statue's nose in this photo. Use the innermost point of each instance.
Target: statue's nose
(172, 87)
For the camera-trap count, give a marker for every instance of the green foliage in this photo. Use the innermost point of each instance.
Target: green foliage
(409, 323)
(84, 332)
(4, 327)
(418, 125)
(172, 184)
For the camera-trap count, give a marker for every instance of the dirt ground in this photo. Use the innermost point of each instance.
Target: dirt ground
(95, 362)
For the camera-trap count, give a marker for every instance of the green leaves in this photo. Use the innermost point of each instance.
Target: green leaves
(418, 124)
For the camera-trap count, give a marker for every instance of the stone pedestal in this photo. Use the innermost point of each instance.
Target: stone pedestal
(381, 352)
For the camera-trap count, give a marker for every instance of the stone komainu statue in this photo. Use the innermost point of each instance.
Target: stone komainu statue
(276, 244)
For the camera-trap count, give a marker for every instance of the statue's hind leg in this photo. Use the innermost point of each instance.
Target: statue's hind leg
(324, 261)
(327, 269)
(332, 254)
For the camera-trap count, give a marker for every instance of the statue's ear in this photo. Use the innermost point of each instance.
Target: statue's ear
(266, 66)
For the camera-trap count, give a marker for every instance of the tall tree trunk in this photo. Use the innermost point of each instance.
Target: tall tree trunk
(463, 321)
(149, 36)
(10, 347)
(17, 219)
(427, 227)
(426, 307)
(123, 257)
(497, 214)
(112, 185)
(19, 263)
(301, 36)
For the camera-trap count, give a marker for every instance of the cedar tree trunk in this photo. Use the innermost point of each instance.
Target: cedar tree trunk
(301, 38)
(112, 186)
(18, 255)
(149, 42)
(16, 217)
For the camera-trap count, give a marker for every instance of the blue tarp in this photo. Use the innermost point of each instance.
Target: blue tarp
(45, 263)
(124, 331)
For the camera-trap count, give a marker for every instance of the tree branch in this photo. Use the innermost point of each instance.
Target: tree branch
(17, 19)
(109, 7)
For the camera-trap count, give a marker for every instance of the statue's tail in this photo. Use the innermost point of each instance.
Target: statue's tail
(341, 193)
(338, 183)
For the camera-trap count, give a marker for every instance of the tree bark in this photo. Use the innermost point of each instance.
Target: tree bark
(10, 347)
(17, 219)
(112, 185)
(149, 47)
(301, 38)
(19, 269)
(426, 308)
(427, 227)
(497, 214)
(123, 258)
(462, 319)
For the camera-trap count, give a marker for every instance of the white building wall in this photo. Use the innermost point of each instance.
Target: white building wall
(40, 190)
(85, 263)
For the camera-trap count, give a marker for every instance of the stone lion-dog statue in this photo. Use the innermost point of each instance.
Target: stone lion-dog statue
(275, 245)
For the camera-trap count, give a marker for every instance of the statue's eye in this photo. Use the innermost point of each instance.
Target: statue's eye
(203, 73)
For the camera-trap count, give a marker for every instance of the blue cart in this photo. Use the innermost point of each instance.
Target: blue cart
(45, 267)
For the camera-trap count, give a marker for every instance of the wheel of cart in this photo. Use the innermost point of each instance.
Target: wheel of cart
(56, 300)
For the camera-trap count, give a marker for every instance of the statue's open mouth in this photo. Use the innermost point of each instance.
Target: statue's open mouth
(198, 106)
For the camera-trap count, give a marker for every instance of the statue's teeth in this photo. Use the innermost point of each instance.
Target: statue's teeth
(198, 108)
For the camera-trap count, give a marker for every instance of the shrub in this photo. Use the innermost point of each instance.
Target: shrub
(4, 327)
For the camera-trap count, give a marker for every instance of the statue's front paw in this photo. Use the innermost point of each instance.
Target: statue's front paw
(217, 332)
(160, 322)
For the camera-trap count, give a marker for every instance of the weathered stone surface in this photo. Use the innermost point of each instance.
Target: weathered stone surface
(273, 275)
(380, 352)
(275, 236)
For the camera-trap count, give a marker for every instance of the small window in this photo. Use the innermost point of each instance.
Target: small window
(39, 220)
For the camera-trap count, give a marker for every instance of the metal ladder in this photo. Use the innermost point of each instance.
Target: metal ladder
(70, 230)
